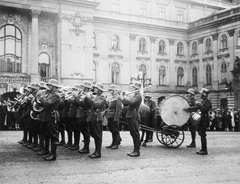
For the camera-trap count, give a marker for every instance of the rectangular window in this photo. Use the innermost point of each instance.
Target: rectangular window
(162, 13)
(115, 5)
(142, 8)
(180, 15)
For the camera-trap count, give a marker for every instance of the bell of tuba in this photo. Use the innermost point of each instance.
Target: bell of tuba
(34, 115)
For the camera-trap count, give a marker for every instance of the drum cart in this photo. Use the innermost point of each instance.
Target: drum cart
(169, 132)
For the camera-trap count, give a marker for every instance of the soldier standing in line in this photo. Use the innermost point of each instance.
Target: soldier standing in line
(204, 107)
(132, 116)
(50, 118)
(95, 117)
(113, 115)
(82, 114)
(192, 127)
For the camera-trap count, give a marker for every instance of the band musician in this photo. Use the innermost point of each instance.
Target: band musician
(192, 126)
(133, 116)
(50, 117)
(113, 115)
(95, 118)
(204, 106)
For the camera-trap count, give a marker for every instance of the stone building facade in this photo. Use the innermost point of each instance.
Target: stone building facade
(176, 43)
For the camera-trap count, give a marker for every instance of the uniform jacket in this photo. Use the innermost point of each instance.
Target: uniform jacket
(114, 110)
(50, 104)
(72, 112)
(204, 107)
(98, 104)
(134, 104)
(83, 108)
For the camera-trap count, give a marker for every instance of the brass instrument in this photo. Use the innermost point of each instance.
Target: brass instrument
(19, 100)
(36, 106)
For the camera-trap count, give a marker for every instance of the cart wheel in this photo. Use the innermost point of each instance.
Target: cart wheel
(159, 132)
(159, 136)
(172, 136)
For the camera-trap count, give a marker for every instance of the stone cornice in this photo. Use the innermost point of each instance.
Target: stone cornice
(194, 60)
(223, 55)
(115, 55)
(137, 25)
(180, 61)
(208, 58)
(145, 58)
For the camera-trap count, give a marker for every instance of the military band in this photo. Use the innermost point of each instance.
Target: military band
(47, 110)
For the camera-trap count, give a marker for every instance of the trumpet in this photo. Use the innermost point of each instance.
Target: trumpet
(19, 100)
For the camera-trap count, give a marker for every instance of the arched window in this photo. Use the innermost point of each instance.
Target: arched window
(115, 42)
(194, 48)
(194, 76)
(223, 73)
(43, 65)
(208, 74)
(115, 73)
(162, 75)
(223, 44)
(10, 49)
(142, 45)
(180, 48)
(162, 47)
(94, 40)
(180, 75)
(208, 45)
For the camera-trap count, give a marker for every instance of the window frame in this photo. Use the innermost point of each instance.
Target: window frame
(180, 48)
(162, 75)
(143, 9)
(180, 76)
(162, 44)
(117, 40)
(208, 75)
(142, 44)
(115, 5)
(194, 76)
(11, 61)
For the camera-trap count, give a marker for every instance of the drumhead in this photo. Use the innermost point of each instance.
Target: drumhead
(171, 110)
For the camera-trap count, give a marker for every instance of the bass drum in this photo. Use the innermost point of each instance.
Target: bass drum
(171, 110)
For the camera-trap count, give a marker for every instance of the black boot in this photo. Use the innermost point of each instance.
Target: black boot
(85, 148)
(193, 143)
(97, 153)
(51, 157)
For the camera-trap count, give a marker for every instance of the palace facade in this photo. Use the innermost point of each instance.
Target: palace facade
(176, 44)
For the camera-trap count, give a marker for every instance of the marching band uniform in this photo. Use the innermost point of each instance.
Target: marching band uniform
(204, 107)
(72, 111)
(82, 114)
(73, 114)
(133, 118)
(49, 117)
(192, 127)
(113, 115)
(95, 117)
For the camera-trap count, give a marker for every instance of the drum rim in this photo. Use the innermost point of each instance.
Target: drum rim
(170, 97)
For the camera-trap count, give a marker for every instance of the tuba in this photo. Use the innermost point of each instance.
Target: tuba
(36, 107)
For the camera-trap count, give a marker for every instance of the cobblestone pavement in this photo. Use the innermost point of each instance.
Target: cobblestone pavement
(157, 163)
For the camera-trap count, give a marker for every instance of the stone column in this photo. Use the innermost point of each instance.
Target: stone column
(231, 47)
(200, 69)
(215, 62)
(133, 70)
(153, 75)
(171, 72)
(35, 77)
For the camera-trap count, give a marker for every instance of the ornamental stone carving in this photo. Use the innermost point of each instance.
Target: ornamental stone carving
(14, 16)
(132, 37)
(153, 39)
(77, 21)
(35, 13)
(200, 40)
(171, 41)
(231, 32)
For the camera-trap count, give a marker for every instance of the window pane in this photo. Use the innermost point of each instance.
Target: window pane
(2, 32)
(18, 49)
(10, 46)
(18, 34)
(10, 30)
(1, 47)
(44, 58)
